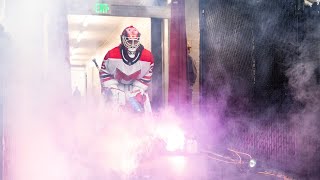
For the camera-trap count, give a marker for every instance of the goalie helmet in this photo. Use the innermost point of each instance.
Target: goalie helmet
(130, 39)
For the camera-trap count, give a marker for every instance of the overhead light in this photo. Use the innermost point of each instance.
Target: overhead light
(169, 1)
(72, 50)
(80, 36)
(85, 21)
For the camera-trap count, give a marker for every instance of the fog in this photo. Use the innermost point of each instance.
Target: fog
(49, 134)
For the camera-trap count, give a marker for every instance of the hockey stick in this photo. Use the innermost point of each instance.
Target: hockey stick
(95, 62)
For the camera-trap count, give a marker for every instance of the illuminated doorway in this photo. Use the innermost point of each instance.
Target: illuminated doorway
(90, 37)
(92, 33)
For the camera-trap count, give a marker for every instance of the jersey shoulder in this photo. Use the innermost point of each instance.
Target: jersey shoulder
(114, 53)
(147, 56)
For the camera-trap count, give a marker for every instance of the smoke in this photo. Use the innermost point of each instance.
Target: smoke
(51, 135)
(48, 133)
(300, 99)
(302, 75)
(276, 119)
(302, 81)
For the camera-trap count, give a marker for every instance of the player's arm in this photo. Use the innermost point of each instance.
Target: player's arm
(106, 77)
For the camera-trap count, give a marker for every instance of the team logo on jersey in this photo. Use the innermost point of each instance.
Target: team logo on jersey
(119, 75)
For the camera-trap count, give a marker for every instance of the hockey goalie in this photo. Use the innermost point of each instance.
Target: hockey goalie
(126, 73)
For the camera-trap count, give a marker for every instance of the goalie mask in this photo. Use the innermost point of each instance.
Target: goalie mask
(131, 47)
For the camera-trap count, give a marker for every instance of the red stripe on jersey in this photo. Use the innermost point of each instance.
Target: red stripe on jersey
(105, 79)
(146, 77)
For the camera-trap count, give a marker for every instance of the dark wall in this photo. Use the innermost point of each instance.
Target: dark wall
(259, 74)
(244, 48)
(156, 49)
(247, 47)
(226, 52)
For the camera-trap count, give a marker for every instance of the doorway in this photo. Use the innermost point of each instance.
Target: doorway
(91, 36)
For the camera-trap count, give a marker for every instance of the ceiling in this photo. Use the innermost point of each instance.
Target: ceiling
(89, 32)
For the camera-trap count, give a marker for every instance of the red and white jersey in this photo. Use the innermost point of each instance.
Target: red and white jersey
(114, 71)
